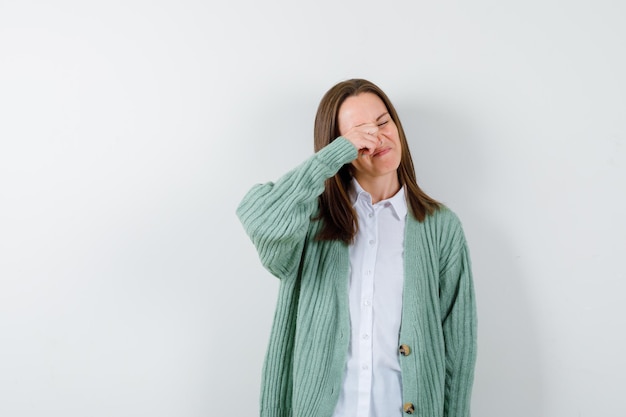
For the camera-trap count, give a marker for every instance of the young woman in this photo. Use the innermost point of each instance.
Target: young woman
(376, 314)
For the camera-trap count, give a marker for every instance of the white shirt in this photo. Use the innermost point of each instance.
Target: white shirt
(372, 385)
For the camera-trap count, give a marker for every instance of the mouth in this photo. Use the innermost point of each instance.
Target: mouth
(381, 152)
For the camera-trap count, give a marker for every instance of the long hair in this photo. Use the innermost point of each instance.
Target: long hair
(335, 208)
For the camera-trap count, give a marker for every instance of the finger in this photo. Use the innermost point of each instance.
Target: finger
(364, 138)
(369, 142)
(370, 129)
(368, 148)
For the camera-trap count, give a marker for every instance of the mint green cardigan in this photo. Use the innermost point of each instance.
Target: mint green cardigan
(308, 345)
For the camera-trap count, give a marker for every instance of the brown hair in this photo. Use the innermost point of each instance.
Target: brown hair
(335, 208)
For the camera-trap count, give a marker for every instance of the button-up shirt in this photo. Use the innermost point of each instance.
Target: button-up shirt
(372, 385)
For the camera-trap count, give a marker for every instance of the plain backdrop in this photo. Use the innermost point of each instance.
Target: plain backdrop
(130, 130)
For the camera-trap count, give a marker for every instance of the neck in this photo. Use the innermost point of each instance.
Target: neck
(380, 188)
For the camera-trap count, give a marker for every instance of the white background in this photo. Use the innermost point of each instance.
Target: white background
(130, 130)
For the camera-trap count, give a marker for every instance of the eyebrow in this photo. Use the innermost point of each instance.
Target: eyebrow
(377, 119)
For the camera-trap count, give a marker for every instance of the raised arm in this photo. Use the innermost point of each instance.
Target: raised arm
(277, 215)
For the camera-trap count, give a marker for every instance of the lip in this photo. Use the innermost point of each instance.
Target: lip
(381, 152)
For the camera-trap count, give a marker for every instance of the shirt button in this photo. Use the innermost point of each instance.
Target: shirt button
(370, 215)
(365, 367)
(372, 241)
(404, 350)
(367, 302)
(366, 336)
(409, 408)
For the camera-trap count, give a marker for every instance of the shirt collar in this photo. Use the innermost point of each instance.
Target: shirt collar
(397, 202)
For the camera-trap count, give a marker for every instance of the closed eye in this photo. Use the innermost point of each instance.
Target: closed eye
(383, 123)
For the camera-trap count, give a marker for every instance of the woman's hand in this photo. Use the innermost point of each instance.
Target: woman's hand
(364, 138)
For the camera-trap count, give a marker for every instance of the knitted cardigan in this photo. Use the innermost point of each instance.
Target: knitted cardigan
(306, 356)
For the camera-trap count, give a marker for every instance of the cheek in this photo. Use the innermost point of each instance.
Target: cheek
(391, 132)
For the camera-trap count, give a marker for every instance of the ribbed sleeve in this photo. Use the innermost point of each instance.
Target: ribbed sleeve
(459, 331)
(276, 216)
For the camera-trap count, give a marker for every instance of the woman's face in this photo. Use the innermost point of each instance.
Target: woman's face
(369, 109)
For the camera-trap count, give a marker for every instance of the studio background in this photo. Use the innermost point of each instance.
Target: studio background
(130, 131)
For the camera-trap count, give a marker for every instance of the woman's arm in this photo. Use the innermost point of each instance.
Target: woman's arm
(459, 327)
(276, 216)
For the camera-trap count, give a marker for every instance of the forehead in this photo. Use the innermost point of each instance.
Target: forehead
(360, 109)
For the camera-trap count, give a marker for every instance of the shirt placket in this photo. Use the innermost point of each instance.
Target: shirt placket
(367, 314)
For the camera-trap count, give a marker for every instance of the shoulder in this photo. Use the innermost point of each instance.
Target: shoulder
(447, 222)
(441, 231)
(444, 223)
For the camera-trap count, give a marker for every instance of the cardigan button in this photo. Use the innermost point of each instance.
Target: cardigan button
(408, 408)
(404, 350)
